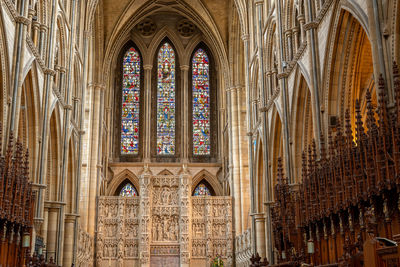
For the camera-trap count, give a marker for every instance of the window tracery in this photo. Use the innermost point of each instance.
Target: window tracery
(128, 191)
(201, 190)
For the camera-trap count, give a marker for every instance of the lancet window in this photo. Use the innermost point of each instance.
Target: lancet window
(201, 103)
(166, 100)
(130, 103)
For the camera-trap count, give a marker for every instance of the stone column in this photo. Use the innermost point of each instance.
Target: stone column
(86, 37)
(49, 74)
(288, 35)
(296, 41)
(301, 19)
(243, 161)
(42, 40)
(68, 239)
(35, 32)
(52, 233)
(315, 67)
(147, 112)
(265, 127)
(31, 14)
(184, 196)
(95, 148)
(260, 234)
(17, 68)
(66, 93)
(234, 153)
(144, 211)
(44, 228)
(186, 108)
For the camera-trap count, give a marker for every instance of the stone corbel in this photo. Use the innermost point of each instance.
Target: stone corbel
(310, 25)
(282, 75)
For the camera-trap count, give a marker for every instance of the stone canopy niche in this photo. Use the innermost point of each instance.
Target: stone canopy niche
(164, 226)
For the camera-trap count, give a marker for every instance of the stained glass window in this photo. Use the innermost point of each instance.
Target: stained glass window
(128, 191)
(130, 103)
(201, 103)
(166, 100)
(202, 190)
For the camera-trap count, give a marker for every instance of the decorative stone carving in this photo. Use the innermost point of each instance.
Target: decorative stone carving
(164, 225)
(146, 27)
(85, 249)
(186, 28)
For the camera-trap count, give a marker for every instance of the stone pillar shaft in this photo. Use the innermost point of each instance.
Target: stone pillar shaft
(147, 111)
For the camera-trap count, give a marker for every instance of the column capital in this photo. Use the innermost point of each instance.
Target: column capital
(147, 67)
(97, 86)
(35, 25)
(31, 12)
(288, 32)
(87, 34)
(245, 37)
(301, 18)
(23, 20)
(258, 2)
(49, 71)
(282, 75)
(44, 27)
(184, 67)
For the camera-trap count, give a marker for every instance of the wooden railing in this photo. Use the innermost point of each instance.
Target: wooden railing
(349, 196)
(16, 205)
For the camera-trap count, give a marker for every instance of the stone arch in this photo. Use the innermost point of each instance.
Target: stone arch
(302, 126)
(259, 175)
(210, 179)
(350, 68)
(71, 181)
(276, 139)
(121, 178)
(4, 76)
(28, 118)
(165, 34)
(53, 157)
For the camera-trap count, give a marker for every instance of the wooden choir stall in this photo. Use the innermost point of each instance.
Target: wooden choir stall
(346, 210)
(16, 205)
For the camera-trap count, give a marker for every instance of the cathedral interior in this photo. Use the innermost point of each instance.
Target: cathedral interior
(199, 133)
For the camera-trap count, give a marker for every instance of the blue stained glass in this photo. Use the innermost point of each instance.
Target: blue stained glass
(201, 103)
(166, 100)
(130, 103)
(202, 190)
(128, 191)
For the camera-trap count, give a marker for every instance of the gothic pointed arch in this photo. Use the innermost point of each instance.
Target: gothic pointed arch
(350, 69)
(213, 182)
(202, 102)
(166, 104)
(128, 135)
(119, 179)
